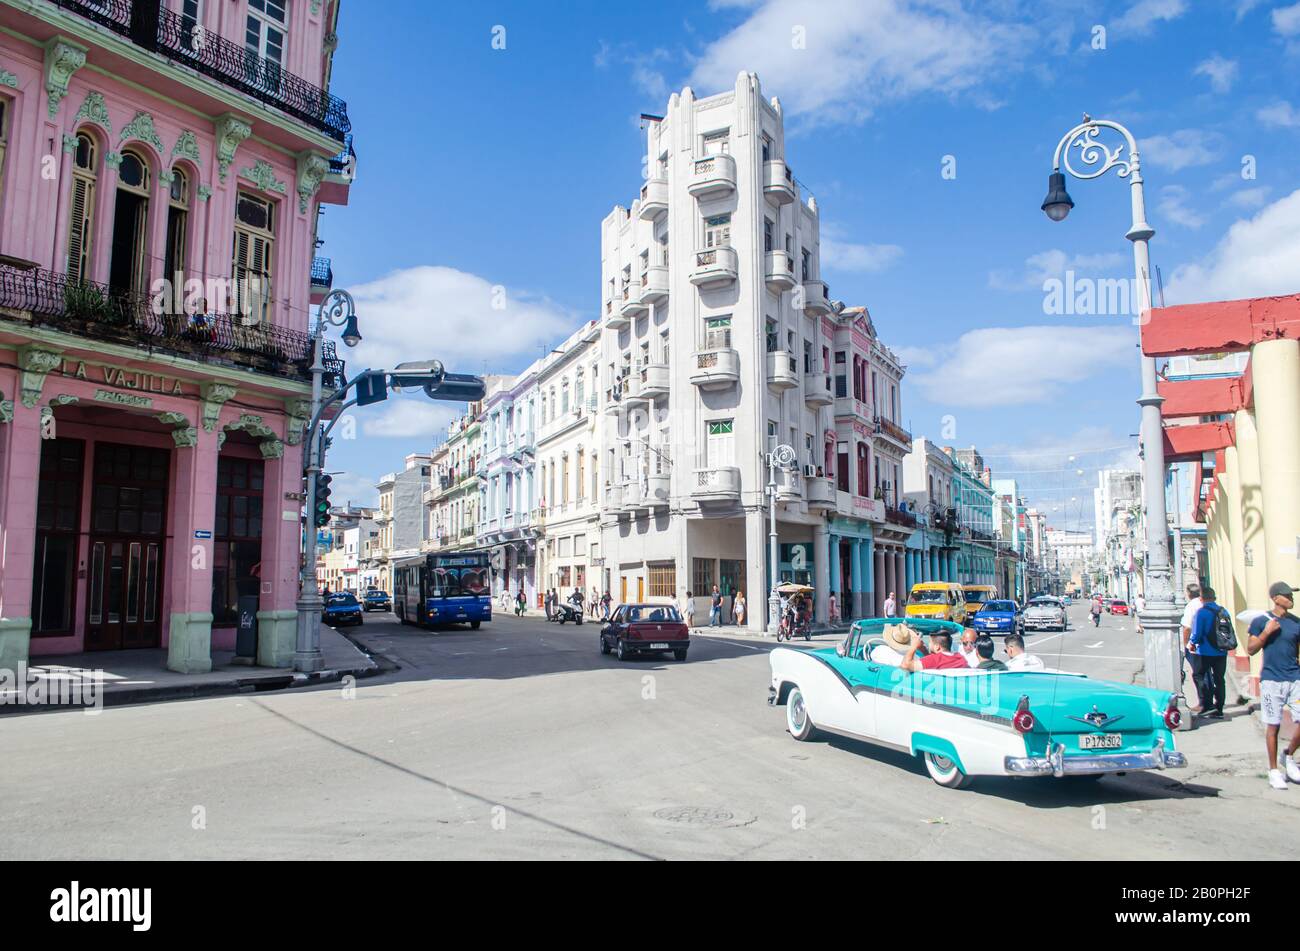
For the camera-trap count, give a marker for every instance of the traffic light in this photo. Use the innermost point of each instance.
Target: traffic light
(323, 500)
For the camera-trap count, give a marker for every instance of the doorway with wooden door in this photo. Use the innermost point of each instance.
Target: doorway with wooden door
(127, 542)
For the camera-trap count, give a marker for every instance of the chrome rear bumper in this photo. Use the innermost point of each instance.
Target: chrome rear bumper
(1057, 764)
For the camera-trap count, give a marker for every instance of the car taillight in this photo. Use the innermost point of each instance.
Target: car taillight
(1023, 720)
(1173, 719)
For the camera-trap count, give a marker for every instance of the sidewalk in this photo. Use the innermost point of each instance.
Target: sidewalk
(124, 677)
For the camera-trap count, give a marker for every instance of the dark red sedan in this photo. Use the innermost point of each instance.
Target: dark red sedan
(646, 629)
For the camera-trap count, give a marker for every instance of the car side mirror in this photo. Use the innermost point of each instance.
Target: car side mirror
(839, 649)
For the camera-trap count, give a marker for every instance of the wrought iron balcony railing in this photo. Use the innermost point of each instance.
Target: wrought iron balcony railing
(97, 312)
(345, 162)
(895, 516)
(182, 40)
(885, 427)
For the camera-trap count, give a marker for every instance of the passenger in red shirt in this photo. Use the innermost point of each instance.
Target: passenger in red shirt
(941, 656)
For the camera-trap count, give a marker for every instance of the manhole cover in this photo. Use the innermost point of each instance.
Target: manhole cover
(696, 815)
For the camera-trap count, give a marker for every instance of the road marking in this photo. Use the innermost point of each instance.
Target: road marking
(1096, 657)
(1093, 647)
(727, 640)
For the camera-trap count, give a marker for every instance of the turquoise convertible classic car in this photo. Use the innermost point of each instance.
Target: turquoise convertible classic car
(967, 723)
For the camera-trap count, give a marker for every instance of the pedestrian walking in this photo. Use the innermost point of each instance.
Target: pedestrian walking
(834, 608)
(739, 606)
(1185, 629)
(891, 606)
(1095, 611)
(1277, 634)
(1210, 689)
(605, 601)
(688, 610)
(715, 608)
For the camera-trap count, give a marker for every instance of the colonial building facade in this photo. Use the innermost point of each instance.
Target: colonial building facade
(161, 169)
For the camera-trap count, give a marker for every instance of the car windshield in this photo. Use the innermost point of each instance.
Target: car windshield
(976, 597)
(929, 596)
(1043, 603)
(992, 606)
(341, 599)
(662, 613)
(1120, 604)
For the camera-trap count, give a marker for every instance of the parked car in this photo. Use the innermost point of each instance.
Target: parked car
(1045, 614)
(645, 629)
(976, 595)
(998, 617)
(1041, 723)
(1118, 606)
(377, 599)
(343, 608)
(937, 601)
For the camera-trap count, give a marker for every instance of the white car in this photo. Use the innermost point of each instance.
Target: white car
(1045, 614)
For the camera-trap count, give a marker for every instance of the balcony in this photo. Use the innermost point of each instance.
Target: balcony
(715, 267)
(659, 490)
(895, 516)
(654, 285)
(782, 370)
(322, 279)
(817, 390)
(820, 493)
(894, 433)
(631, 305)
(717, 484)
(778, 271)
(614, 318)
(716, 369)
(96, 312)
(778, 182)
(632, 395)
(789, 485)
(614, 497)
(654, 199)
(175, 37)
(656, 380)
(616, 396)
(816, 299)
(713, 177)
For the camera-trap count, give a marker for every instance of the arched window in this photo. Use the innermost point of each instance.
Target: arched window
(578, 390)
(178, 215)
(81, 230)
(254, 257)
(564, 397)
(128, 266)
(864, 488)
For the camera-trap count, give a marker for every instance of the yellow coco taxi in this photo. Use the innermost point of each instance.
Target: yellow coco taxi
(976, 595)
(937, 601)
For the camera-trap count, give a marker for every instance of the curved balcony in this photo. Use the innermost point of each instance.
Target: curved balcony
(716, 484)
(715, 267)
(820, 494)
(778, 271)
(716, 369)
(654, 199)
(614, 497)
(789, 486)
(778, 182)
(615, 398)
(816, 299)
(896, 434)
(782, 370)
(614, 318)
(631, 305)
(817, 390)
(632, 393)
(659, 490)
(713, 177)
(656, 380)
(654, 285)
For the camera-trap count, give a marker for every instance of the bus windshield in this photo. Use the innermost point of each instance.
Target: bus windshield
(930, 596)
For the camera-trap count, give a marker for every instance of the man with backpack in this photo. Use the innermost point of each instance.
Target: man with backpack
(1212, 637)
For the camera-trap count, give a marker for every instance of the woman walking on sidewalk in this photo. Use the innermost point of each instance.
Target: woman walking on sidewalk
(739, 607)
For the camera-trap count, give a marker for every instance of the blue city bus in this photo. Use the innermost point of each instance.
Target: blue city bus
(438, 589)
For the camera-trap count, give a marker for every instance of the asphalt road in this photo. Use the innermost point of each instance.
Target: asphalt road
(521, 741)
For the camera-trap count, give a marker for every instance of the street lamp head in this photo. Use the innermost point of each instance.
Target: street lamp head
(1058, 202)
(351, 335)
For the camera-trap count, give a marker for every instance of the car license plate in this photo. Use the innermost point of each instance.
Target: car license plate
(1101, 741)
(659, 647)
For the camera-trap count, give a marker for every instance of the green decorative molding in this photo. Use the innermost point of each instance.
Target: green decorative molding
(272, 449)
(141, 127)
(254, 426)
(263, 175)
(113, 160)
(299, 417)
(69, 143)
(187, 146)
(166, 178)
(6, 411)
(36, 363)
(205, 192)
(312, 169)
(95, 110)
(8, 79)
(215, 396)
(231, 133)
(315, 7)
(62, 60)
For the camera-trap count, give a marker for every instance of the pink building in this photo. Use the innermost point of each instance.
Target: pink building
(161, 167)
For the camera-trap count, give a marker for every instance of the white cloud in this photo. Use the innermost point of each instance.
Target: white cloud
(1279, 115)
(860, 54)
(1173, 207)
(1222, 72)
(1182, 149)
(1031, 364)
(1144, 14)
(1046, 265)
(1245, 6)
(1249, 199)
(1258, 257)
(406, 417)
(1286, 21)
(355, 488)
(862, 258)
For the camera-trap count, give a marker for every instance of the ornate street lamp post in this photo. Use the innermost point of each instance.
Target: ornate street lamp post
(1163, 647)
(781, 457)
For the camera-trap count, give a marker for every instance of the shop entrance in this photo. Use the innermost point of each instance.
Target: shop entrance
(127, 536)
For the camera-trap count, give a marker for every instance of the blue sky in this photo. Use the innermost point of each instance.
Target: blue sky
(483, 168)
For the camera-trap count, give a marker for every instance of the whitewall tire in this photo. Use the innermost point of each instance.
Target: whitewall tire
(945, 772)
(797, 719)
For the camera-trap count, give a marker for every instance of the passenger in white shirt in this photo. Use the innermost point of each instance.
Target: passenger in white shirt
(1017, 659)
(967, 650)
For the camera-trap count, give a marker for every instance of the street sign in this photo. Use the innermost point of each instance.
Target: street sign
(372, 388)
(203, 536)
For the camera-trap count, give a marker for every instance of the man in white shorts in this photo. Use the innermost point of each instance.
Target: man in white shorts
(1277, 634)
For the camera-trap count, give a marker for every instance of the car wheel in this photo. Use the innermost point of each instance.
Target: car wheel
(680, 655)
(621, 652)
(475, 625)
(797, 719)
(604, 645)
(945, 772)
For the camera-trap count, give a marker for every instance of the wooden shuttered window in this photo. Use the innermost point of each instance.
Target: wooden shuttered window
(253, 260)
(81, 229)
